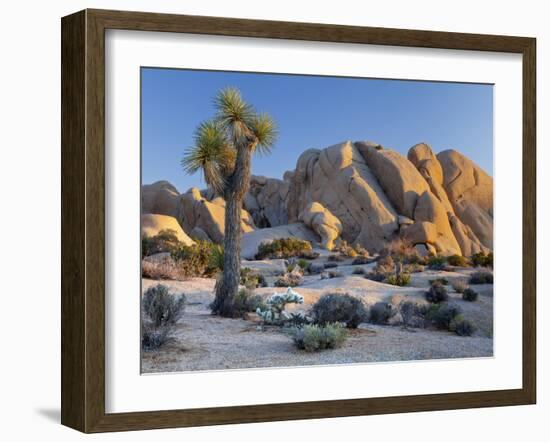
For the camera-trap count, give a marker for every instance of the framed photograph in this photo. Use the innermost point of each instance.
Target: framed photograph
(266, 221)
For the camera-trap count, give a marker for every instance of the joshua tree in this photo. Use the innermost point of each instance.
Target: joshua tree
(223, 151)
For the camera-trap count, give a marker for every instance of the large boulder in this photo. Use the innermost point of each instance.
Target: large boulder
(425, 161)
(400, 180)
(252, 240)
(153, 224)
(322, 222)
(470, 191)
(430, 209)
(266, 201)
(339, 178)
(196, 211)
(161, 198)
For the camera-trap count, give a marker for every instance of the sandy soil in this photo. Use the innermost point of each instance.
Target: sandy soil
(205, 342)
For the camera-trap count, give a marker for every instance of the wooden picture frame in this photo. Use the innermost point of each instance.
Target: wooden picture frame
(83, 220)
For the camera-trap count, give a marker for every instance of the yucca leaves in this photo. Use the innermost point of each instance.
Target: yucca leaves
(264, 129)
(236, 126)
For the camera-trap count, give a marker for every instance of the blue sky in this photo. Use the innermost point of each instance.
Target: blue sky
(313, 111)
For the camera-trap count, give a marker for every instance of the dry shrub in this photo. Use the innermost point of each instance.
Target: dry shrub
(162, 269)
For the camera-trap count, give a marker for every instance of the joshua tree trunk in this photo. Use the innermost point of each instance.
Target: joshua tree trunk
(228, 286)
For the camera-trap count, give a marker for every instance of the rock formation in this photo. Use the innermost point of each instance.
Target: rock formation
(152, 224)
(359, 191)
(322, 222)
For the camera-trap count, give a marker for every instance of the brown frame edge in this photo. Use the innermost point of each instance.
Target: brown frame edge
(83, 216)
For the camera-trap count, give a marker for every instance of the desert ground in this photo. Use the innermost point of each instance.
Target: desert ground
(201, 341)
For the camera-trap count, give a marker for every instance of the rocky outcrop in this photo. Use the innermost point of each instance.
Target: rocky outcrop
(160, 198)
(339, 178)
(252, 240)
(400, 180)
(362, 192)
(209, 216)
(152, 224)
(430, 209)
(266, 201)
(470, 191)
(322, 222)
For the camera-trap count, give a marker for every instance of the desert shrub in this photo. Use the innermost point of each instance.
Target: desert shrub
(162, 269)
(247, 302)
(385, 264)
(481, 278)
(436, 262)
(160, 307)
(338, 307)
(330, 265)
(347, 250)
(165, 241)
(459, 286)
(331, 274)
(252, 279)
(413, 268)
(437, 293)
(336, 258)
(375, 276)
(441, 315)
(381, 312)
(292, 279)
(481, 259)
(442, 281)
(361, 260)
(412, 314)
(457, 261)
(399, 279)
(303, 263)
(298, 319)
(201, 259)
(319, 337)
(153, 338)
(462, 326)
(403, 251)
(274, 310)
(284, 248)
(217, 256)
(469, 295)
(358, 271)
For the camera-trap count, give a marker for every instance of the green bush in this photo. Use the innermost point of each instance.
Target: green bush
(303, 263)
(442, 281)
(469, 295)
(337, 307)
(358, 271)
(284, 248)
(201, 259)
(437, 293)
(481, 259)
(165, 241)
(437, 262)
(481, 278)
(160, 307)
(457, 261)
(462, 326)
(441, 315)
(400, 279)
(319, 337)
(381, 312)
